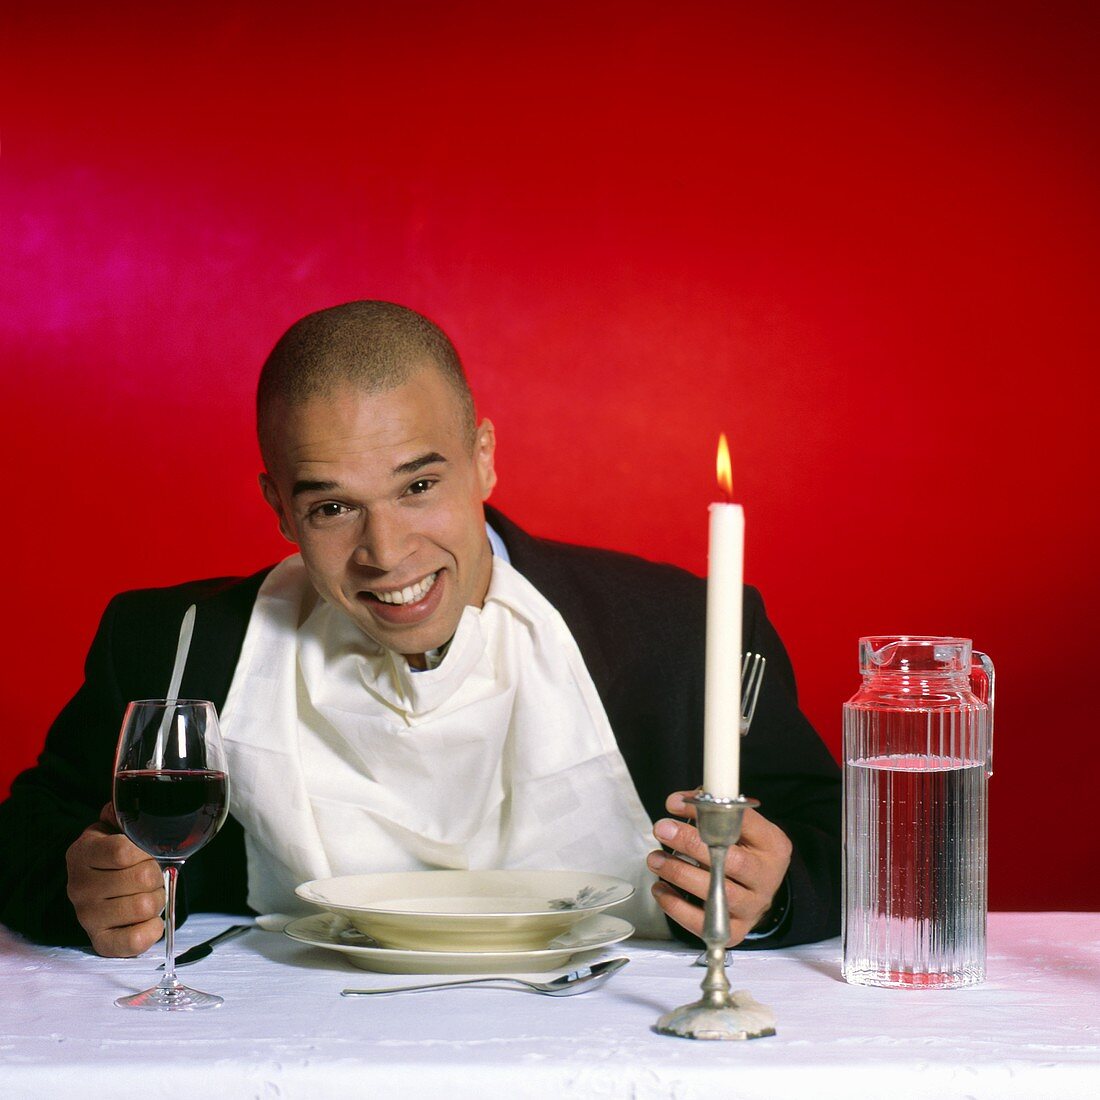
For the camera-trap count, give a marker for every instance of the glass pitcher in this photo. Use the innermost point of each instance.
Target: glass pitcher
(918, 754)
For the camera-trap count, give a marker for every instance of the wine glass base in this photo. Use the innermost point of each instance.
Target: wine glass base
(177, 998)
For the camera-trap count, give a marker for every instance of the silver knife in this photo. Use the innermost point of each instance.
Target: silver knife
(201, 950)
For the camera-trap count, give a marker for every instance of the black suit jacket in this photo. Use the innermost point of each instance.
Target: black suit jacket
(640, 629)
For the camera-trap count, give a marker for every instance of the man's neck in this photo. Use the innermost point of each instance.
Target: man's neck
(421, 662)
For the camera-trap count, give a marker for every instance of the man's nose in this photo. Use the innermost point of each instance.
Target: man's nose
(384, 542)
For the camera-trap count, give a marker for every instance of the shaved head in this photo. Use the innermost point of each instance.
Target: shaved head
(372, 346)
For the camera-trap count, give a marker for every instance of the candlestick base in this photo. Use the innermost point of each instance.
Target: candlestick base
(719, 1014)
(741, 1018)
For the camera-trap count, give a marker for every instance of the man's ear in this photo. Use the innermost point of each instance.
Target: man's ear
(271, 495)
(485, 445)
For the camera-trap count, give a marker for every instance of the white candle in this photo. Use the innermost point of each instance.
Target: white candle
(725, 576)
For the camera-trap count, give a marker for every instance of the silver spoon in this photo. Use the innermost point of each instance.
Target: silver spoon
(576, 981)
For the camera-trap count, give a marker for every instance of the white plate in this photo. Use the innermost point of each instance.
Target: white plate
(335, 933)
(462, 911)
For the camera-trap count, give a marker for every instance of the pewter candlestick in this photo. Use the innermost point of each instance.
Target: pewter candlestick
(719, 1014)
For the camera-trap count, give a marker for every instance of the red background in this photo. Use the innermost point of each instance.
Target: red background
(860, 238)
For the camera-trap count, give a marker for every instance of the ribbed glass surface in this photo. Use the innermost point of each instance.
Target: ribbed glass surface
(915, 840)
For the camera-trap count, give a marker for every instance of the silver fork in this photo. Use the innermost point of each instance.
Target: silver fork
(752, 676)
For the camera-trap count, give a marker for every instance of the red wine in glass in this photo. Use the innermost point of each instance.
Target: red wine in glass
(171, 814)
(171, 796)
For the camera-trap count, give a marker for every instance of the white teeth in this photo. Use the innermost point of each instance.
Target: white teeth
(411, 593)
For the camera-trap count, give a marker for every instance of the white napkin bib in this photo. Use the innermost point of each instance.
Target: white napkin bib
(343, 761)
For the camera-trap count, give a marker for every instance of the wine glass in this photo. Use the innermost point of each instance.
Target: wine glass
(171, 795)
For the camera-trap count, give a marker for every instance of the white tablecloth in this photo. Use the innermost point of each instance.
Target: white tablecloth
(1032, 1030)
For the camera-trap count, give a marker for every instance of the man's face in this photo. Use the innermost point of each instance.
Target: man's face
(383, 496)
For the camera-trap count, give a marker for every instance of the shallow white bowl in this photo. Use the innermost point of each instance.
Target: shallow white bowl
(466, 910)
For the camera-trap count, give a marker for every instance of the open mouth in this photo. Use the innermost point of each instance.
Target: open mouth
(412, 593)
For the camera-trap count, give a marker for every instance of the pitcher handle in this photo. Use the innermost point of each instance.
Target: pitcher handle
(982, 684)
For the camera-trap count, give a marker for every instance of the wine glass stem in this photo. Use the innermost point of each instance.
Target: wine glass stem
(171, 873)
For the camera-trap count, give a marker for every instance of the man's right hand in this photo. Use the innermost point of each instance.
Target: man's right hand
(116, 889)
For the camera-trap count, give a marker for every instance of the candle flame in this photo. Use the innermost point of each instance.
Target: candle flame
(725, 472)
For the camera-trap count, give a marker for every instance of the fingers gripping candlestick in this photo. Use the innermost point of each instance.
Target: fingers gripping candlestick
(719, 1014)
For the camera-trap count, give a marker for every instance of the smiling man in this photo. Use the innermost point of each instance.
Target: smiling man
(422, 685)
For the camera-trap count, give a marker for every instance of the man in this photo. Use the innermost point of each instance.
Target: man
(416, 688)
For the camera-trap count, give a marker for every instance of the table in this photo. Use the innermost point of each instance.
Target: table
(1031, 1030)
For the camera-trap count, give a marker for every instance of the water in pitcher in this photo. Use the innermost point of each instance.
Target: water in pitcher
(915, 871)
(918, 753)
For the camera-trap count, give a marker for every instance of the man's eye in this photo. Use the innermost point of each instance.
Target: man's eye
(329, 510)
(421, 485)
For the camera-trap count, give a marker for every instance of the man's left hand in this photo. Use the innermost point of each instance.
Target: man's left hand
(755, 867)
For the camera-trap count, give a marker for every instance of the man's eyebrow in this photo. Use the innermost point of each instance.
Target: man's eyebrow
(313, 487)
(406, 468)
(415, 464)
